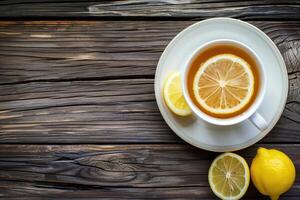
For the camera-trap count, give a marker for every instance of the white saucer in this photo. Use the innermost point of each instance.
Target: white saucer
(228, 138)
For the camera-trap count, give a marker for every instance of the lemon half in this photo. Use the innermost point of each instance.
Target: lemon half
(229, 176)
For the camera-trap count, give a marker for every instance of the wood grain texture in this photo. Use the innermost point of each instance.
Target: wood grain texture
(264, 9)
(92, 82)
(112, 111)
(117, 171)
(72, 50)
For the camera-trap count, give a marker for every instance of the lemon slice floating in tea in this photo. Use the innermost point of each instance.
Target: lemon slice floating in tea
(173, 95)
(224, 84)
(229, 176)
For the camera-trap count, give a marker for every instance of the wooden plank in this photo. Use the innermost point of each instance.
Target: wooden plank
(111, 111)
(61, 85)
(90, 111)
(119, 171)
(72, 50)
(264, 9)
(19, 190)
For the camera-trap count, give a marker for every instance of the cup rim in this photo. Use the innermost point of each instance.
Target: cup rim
(232, 120)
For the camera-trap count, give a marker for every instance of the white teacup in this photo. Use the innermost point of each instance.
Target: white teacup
(251, 113)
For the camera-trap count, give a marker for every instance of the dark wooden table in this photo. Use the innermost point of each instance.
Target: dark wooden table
(78, 117)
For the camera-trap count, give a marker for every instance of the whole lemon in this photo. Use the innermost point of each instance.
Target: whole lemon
(272, 172)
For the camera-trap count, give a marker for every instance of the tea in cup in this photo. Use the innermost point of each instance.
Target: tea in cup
(224, 83)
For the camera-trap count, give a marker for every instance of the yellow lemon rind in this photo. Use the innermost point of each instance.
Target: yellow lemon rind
(272, 172)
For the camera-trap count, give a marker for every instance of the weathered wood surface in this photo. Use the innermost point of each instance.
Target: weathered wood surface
(74, 50)
(116, 171)
(264, 9)
(112, 111)
(92, 82)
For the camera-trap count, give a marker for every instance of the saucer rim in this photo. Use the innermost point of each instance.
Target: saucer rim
(274, 120)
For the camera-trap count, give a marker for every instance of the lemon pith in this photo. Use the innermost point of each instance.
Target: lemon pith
(272, 172)
(173, 95)
(229, 176)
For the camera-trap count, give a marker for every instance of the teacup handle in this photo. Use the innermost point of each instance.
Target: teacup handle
(258, 121)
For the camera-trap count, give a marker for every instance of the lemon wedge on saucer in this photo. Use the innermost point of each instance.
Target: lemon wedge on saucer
(173, 95)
